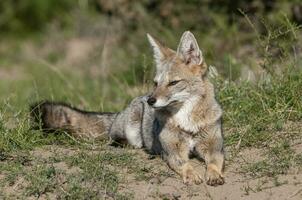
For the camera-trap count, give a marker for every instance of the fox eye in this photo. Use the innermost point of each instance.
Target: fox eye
(155, 84)
(173, 83)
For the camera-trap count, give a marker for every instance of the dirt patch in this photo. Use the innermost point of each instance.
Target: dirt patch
(237, 186)
(64, 167)
(297, 147)
(157, 181)
(15, 189)
(52, 150)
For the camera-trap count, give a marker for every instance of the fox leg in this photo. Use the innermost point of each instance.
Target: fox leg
(133, 126)
(177, 156)
(211, 149)
(127, 126)
(133, 135)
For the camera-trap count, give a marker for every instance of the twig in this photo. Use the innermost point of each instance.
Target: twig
(295, 193)
(238, 144)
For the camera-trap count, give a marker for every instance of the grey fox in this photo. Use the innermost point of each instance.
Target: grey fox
(179, 117)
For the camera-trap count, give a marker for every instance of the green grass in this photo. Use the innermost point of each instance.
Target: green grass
(255, 115)
(264, 114)
(91, 173)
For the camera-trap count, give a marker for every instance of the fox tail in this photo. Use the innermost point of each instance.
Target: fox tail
(54, 116)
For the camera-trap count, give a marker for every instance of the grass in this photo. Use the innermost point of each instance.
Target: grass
(280, 158)
(264, 114)
(263, 108)
(90, 173)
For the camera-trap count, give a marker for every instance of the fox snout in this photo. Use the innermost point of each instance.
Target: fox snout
(151, 100)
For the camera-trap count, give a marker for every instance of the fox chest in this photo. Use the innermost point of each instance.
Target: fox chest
(192, 140)
(191, 144)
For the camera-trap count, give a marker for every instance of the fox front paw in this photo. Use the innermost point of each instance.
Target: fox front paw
(214, 178)
(190, 176)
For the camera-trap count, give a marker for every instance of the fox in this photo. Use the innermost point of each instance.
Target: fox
(180, 117)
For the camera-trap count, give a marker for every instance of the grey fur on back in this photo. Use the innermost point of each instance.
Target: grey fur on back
(136, 124)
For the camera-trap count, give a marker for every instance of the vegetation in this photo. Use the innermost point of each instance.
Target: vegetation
(94, 55)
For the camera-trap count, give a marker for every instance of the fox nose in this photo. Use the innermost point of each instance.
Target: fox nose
(151, 101)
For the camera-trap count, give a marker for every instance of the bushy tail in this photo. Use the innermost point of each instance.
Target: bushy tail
(52, 116)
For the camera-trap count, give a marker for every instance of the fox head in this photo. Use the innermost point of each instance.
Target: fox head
(179, 75)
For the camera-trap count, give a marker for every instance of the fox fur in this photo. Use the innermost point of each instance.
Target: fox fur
(178, 118)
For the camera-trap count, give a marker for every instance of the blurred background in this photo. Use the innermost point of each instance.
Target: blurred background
(88, 51)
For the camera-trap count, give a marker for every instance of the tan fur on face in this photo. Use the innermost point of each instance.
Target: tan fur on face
(189, 69)
(177, 65)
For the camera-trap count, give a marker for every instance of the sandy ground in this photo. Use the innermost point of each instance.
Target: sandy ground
(237, 186)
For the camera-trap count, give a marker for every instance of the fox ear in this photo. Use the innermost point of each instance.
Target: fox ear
(160, 52)
(157, 49)
(188, 49)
